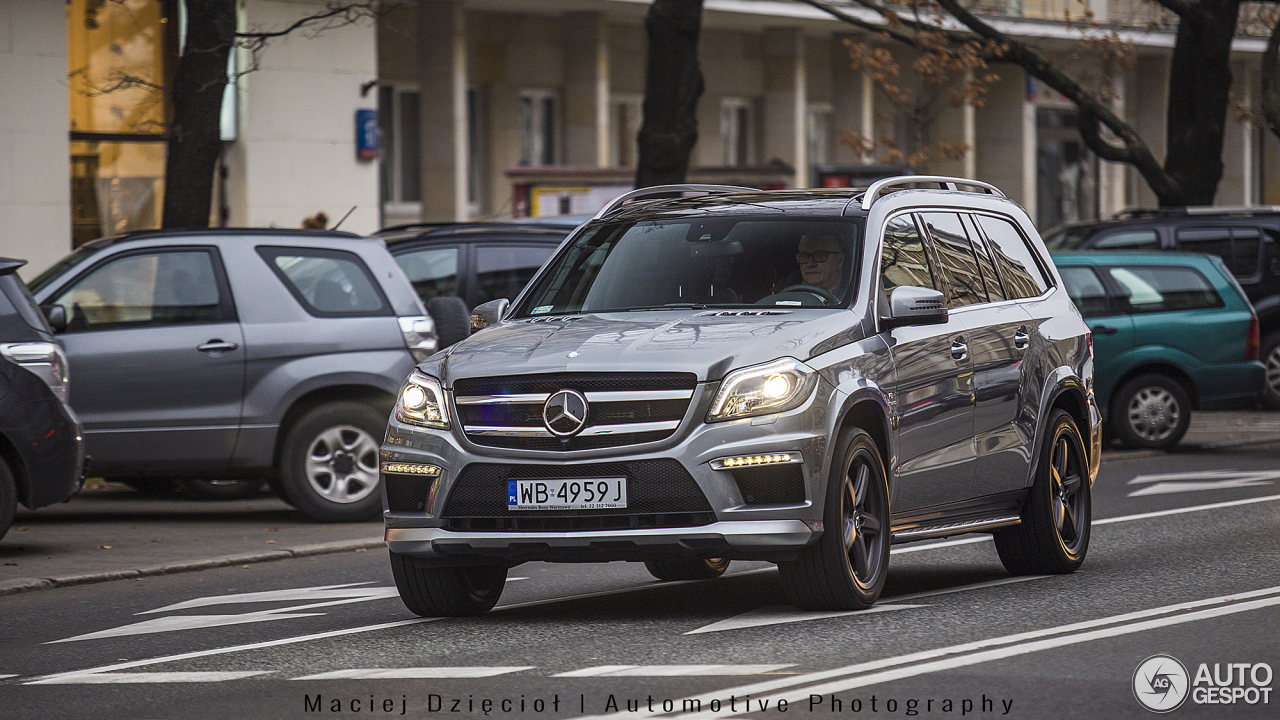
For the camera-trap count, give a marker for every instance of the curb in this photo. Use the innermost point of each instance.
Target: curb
(30, 584)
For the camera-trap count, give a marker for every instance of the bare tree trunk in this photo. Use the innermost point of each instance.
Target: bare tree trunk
(673, 84)
(194, 139)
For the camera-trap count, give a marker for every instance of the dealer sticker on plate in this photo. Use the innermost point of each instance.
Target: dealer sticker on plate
(567, 494)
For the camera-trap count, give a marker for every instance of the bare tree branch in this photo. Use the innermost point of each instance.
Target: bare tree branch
(1271, 81)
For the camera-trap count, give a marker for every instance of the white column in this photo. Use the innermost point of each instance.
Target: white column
(1247, 189)
(970, 116)
(1028, 154)
(602, 93)
(1116, 172)
(461, 139)
(801, 114)
(868, 112)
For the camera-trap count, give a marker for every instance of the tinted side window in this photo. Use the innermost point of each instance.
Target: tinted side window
(146, 289)
(1162, 289)
(1022, 275)
(1085, 289)
(502, 271)
(955, 256)
(22, 301)
(1247, 244)
(903, 260)
(433, 271)
(330, 283)
(991, 278)
(1128, 240)
(1211, 241)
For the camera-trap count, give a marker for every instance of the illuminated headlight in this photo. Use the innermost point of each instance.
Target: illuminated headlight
(421, 402)
(763, 390)
(411, 469)
(731, 463)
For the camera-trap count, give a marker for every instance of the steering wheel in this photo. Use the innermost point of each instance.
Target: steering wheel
(827, 297)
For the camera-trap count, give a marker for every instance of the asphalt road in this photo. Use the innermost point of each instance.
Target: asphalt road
(1184, 561)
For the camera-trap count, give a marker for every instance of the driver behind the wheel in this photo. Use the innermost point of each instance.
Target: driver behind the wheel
(821, 260)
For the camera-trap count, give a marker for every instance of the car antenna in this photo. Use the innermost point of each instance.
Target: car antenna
(344, 217)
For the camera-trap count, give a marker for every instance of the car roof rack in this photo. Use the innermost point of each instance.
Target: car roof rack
(1139, 213)
(656, 190)
(878, 188)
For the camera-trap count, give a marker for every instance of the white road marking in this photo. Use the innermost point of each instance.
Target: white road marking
(174, 623)
(415, 673)
(979, 645)
(936, 545)
(778, 614)
(4, 676)
(234, 648)
(671, 670)
(1166, 488)
(151, 677)
(320, 592)
(1181, 510)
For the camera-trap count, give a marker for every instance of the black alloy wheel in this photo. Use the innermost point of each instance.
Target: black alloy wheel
(1053, 537)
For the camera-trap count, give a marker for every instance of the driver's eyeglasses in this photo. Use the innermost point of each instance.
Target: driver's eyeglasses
(820, 257)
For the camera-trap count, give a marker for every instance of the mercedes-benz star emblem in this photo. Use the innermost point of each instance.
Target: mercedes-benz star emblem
(565, 413)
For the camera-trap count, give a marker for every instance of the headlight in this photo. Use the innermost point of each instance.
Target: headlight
(763, 389)
(421, 402)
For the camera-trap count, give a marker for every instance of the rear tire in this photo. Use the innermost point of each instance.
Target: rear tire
(452, 319)
(8, 497)
(687, 568)
(1270, 356)
(847, 567)
(447, 591)
(202, 489)
(329, 463)
(1053, 537)
(1151, 411)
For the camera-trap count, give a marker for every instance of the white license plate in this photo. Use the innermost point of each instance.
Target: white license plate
(569, 494)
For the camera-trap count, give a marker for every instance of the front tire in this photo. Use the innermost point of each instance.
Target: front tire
(687, 568)
(329, 463)
(8, 497)
(1053, 537)
(847, 567)
(447, 591)
(1151, 411)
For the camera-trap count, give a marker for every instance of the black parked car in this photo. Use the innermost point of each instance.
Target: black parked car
(473, 262)
(1246, 238)
(41, 452)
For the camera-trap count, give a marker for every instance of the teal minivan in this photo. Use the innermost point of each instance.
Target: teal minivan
(1172, 333)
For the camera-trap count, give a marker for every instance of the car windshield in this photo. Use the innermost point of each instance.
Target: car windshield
(720, 262)
(56, 270)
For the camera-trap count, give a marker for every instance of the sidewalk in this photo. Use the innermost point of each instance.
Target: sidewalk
(110, 531)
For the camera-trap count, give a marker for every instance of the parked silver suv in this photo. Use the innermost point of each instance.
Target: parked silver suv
(802, 377)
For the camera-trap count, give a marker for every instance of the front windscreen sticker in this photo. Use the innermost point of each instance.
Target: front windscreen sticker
(546, 309)
(780, 302)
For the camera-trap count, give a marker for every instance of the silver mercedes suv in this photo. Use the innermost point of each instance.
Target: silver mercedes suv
(799, 376)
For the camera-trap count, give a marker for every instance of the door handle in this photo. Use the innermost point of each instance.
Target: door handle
(1021, 339)
(1106, 330)
(959, 350)
(216, 345)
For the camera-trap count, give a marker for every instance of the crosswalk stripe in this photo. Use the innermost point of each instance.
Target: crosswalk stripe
(146, 677)
(4, 676)
(414, 673)
(671, 670)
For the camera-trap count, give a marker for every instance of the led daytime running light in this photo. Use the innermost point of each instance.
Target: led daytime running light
(746, 460)
(410, 469)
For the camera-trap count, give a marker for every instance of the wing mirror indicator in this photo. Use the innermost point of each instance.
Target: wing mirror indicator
(910, 305)
(489, 313)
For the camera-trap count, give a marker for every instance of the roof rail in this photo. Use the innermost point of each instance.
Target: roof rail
(1137, 213)
(655, 190)
(948, 183)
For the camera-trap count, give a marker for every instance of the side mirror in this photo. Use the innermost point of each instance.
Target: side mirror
(57, 317)
(487, 314)
(909, 305)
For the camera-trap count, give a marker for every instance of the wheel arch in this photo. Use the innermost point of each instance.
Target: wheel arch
(1067, 393)
(21, 479)
(375, 397)
(1159, 368)
(868, 409)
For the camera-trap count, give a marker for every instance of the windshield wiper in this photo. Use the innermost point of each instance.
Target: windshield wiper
(669, 306)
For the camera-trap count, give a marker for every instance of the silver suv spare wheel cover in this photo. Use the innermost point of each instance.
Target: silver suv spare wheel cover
(342, 464)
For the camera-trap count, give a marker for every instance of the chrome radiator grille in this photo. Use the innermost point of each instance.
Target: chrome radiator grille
(622, 408)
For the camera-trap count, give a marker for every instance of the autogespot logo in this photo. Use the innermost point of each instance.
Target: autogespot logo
(1160, 683)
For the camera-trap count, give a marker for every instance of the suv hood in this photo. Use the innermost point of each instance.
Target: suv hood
(708, 342)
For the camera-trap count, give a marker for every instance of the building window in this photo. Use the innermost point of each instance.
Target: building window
(819, 130)
(628, 115)
(539, 127)
(737, 131)
(398, 120)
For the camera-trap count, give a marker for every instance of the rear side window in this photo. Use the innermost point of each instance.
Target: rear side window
(502, 271)
(146, 289)
(1238, 247)
(1086, 290)
(1023, 277)
(328, 283)
(957, 262)
(1164, 289)
(433, 271)
(22, 301)
(903, 260)
(1129, 240)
